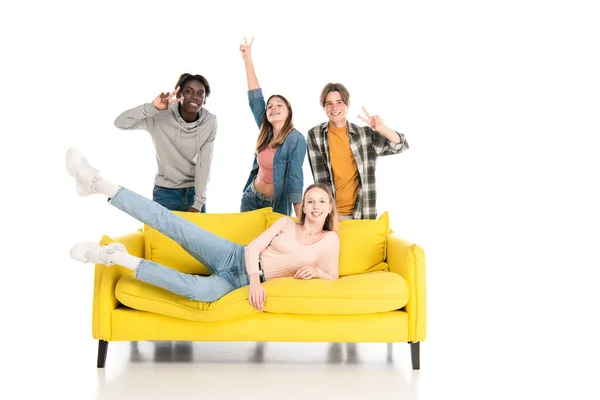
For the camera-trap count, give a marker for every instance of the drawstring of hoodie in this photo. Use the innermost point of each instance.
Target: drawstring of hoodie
(180, 120)
(179, 134)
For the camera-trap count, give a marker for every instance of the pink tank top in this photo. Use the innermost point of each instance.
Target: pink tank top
(265, 164)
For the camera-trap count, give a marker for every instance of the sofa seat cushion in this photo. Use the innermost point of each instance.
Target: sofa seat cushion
(368, 293)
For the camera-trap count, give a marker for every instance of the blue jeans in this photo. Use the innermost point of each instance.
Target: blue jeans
(175, 199)
(223, 258)
(252, 199)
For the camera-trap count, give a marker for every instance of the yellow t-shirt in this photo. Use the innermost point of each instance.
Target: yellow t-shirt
(345, 172)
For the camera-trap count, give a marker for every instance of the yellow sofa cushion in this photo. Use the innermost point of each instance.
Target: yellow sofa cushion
(368, 293)
(145, 297)
(240, 228)
(362, 243)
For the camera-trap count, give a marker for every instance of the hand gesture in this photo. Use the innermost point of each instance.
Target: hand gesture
(162, 101)
(306, 273)
(246, 50)
(257, 295)
(374, 121)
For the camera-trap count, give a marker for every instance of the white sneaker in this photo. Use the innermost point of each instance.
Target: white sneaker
(96, 253)
(85, 175)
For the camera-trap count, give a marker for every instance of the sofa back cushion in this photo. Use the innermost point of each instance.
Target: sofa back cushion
(362, 243)
(240, 228)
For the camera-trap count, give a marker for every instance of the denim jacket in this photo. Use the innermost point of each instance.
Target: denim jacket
(288, 176)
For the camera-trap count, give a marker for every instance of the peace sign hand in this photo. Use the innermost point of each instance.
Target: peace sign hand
(374, 121)
(246, 50)
(162, 101)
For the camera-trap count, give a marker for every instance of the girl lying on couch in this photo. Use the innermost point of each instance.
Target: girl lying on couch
(305, 250)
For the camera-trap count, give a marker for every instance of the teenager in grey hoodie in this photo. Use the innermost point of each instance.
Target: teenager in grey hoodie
(183, 133)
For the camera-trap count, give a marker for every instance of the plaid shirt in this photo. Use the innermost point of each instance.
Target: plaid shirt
(366, 145)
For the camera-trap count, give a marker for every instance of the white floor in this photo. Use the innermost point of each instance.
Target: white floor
(256, 370)
(54, 355)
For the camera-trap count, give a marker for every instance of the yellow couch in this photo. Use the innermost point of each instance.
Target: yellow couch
(380, 296)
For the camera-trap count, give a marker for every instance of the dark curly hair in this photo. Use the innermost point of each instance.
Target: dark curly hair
(185, 78)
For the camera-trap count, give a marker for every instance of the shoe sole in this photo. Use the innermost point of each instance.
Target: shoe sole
(73, 159)
(77, 249)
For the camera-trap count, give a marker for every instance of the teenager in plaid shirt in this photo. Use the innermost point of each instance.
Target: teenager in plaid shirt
(343, 155)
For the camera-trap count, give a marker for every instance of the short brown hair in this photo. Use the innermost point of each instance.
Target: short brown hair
(335, 87)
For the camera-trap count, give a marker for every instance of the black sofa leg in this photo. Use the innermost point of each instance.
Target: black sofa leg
(415, 355)
(102, 350)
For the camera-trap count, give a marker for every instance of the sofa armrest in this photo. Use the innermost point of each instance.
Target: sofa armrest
(105, 281)
(408, 259)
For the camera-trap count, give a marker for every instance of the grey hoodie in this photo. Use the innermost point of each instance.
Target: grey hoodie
(183, 149)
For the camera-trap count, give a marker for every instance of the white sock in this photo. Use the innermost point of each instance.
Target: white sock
(126, 260)
(106, 187)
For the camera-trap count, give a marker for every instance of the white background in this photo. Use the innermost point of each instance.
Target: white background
(499, 103)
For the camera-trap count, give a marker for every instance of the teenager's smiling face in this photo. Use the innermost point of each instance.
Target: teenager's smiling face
(277, 110)
(194, 96)
(335, 108)
(317, 205)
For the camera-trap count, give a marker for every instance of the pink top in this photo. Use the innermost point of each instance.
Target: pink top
(281, 255)
(265, 164)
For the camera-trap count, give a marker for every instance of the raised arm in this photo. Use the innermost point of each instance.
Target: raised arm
(386, 141)
(141, 117)
(246, 50)
(256, 99)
